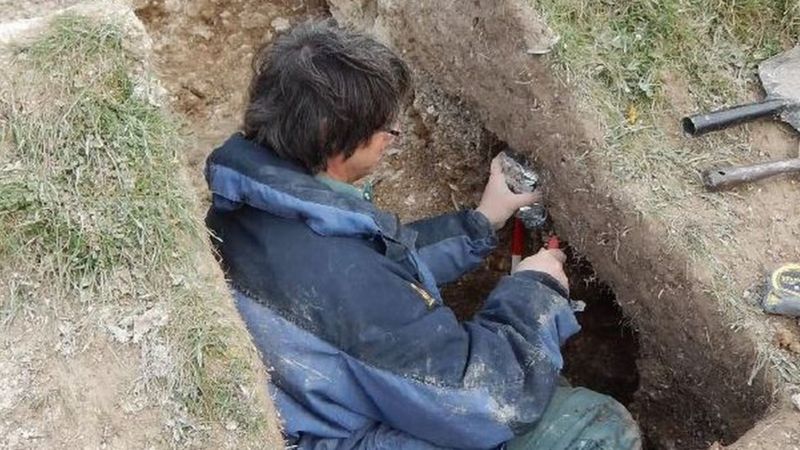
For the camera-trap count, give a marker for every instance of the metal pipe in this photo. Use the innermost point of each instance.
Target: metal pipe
(723, 118)
(729, 177)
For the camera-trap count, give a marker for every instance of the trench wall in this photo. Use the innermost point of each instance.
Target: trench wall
(695, 371)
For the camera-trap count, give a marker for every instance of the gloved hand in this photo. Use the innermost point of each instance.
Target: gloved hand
(549, 261)
(498, 203)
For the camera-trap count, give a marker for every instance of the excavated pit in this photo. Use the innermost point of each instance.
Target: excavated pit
(602, 357)
(647, 340)
(441, 165)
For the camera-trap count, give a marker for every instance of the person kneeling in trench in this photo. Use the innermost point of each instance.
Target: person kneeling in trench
(342, 300)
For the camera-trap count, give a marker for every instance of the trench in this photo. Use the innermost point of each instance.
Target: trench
(202, 56)
(602, 357)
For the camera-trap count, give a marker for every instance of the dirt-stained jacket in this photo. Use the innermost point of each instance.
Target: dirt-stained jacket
(342, 301)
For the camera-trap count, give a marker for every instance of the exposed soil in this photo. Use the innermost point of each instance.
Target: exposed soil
(778, 432)
(672, 360)
(603, 355)
(203, 52)
(62, 400)
(700, 379)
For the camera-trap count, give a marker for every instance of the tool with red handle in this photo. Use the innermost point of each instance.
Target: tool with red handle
(520, 178)
(517, 243)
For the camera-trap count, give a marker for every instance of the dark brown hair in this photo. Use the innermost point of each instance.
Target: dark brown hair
(320, 90)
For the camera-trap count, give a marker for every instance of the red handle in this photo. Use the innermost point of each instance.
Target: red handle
(518, 238)
(553, 242)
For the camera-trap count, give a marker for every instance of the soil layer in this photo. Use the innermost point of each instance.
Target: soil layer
(699, 379)
(672, 358)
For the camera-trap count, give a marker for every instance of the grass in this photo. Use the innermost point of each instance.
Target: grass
(623, 55)
(94, 212)
(638, 67)
(627, 47)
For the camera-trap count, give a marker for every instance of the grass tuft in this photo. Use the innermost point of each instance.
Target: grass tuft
(640, 66)
(94, 211)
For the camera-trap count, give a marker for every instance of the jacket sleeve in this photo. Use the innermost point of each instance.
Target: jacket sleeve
(477, 384)
(454, 244)
(353, 340)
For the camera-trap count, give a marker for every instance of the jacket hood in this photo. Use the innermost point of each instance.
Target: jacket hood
(241, 172)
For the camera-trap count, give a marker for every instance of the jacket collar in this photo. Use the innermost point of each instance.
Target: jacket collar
(241, 172)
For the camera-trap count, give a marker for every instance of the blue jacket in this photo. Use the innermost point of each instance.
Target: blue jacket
(342, 302)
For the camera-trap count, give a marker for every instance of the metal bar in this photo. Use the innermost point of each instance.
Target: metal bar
(716, 120)
(728, 177)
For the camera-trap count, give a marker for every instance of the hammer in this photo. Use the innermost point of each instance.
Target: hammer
(728, 177)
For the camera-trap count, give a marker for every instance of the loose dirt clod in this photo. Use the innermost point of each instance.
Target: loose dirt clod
(280, 24)
(787, 340)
